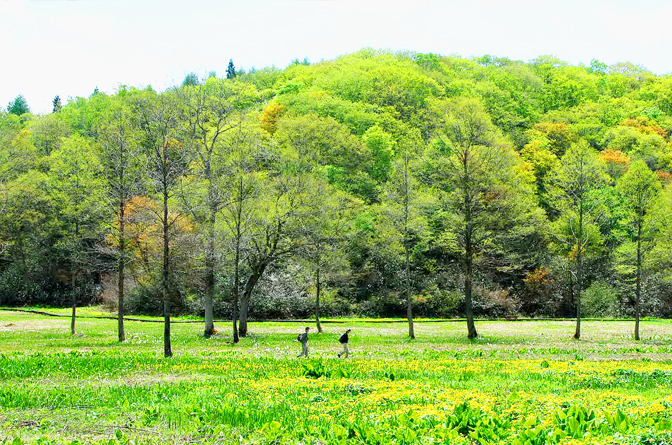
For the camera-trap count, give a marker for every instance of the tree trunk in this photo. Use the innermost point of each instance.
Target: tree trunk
(73, 283)
(210, 247)
(471, 326)
(317, 301)
(167, 351)
(236, 299)
(468, 247)
(236, 291)
(579, 274)
(638, 287)
(251, 282)
(210, 282)
(25, 276)
(468, 272)
(73, 279)
(244, 307)
(236, 278)
(577, 332)
(409, 300)
(236, 337)
(121, 273)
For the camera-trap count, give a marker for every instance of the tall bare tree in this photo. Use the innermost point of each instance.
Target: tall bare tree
(167, 162)
(277, 230)
(210, 111)
(401, 206)
(325, 226)
(120, 155)
(76, 184)
(242, 178)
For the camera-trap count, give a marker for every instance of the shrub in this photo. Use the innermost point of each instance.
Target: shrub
(600, 300)
(438, 303)
(503, 303)
(388, 304)
(148, 300)
(540, 294)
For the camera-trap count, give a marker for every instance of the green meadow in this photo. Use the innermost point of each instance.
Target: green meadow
(520, 382)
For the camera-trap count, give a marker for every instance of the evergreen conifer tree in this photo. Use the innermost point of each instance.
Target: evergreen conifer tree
(57, 104)
(230, 70)
(18, 106)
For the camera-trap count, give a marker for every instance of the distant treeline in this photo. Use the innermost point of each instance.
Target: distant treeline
(376, 184)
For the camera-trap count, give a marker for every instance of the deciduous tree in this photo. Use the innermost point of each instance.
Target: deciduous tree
(485, 190)
(122, 160)
(579, 173)
(210, 111)
(402, 205)
(167, 162)
(640, 189)
(76, 186)
(243, 178)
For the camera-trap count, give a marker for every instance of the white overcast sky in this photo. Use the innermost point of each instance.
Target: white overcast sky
(69, 48)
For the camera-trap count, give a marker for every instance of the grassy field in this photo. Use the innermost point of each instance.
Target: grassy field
(521, 382)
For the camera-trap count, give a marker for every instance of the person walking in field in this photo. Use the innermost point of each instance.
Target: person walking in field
(303, 339)
(343, 339)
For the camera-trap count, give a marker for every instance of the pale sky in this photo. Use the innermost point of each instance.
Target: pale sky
(69, 48)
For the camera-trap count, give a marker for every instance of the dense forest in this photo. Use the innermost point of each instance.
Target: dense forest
(378, 184)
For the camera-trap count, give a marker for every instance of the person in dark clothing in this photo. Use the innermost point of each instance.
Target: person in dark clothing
(303, 339)
(343, 339)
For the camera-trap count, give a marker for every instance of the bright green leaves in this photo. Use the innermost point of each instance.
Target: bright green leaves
(641, 141)
(76, 187)
(567, 241)
(659, 231)
(639, 188)
(84, 115)
(381, 147)
(17, 151)
(479, 178)
(75, 178)
(579, 172)
(26, 208)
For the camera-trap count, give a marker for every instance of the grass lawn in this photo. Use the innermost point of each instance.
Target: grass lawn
(521, 382)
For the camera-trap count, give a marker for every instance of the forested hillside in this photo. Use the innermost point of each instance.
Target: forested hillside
(376, 184)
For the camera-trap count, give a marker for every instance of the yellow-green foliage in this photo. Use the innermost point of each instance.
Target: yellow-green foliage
(507, 388)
